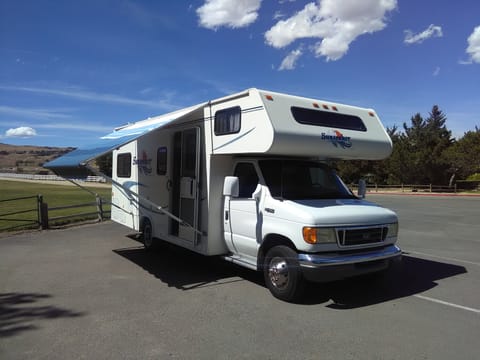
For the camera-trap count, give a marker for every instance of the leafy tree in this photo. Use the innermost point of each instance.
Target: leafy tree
(104, 164)
(419, 154)
(396, 168)
(427, 140)
(464, 155)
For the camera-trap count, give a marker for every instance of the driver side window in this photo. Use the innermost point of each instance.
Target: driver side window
(247, 178)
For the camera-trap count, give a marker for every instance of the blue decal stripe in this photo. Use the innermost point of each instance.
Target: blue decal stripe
(235, 139)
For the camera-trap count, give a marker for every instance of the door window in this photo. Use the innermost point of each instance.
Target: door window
(247, 178)
(162, 160)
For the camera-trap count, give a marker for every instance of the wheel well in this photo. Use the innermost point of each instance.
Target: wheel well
(270, 241)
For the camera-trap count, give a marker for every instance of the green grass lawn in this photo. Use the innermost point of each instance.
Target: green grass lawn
(55, 195)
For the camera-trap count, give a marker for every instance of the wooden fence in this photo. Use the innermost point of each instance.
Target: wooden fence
(39, 214)
(430, 188)
(23, 221)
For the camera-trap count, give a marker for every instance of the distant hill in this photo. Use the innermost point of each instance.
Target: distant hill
(28, 159)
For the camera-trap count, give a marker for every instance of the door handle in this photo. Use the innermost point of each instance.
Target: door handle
(226, 215)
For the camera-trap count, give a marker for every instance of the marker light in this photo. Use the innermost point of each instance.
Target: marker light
(392, 230)
(313, 235)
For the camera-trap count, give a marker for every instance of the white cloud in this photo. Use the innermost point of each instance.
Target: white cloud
(35, 113)
(22, 131)
(431, 31)
(278, 15)
(473, 49)
(229, 13)
(337, 23)
(290, 60)
(85, 95)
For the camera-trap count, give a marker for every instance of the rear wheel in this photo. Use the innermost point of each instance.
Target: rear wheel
(147, 235)
(282, 274)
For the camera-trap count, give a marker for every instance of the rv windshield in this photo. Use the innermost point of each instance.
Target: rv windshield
(301, 180)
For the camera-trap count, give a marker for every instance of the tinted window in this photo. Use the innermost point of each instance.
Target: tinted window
(162, 160)
(297, 180)
(327, 119)
(247, 178)
(124, 165)
(228, 121)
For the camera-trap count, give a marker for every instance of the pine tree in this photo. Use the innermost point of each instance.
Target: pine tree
(427, 140)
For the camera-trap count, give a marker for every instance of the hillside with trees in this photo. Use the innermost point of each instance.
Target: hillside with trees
(28, 159)
(424, 152)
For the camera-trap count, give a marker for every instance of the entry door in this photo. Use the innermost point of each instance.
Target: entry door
(185, 182)
(243, 225)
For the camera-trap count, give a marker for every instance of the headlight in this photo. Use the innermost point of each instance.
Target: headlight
(392, 230)
(314, 235)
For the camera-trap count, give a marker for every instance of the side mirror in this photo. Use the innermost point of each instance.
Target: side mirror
(230, 186)
(362, 188)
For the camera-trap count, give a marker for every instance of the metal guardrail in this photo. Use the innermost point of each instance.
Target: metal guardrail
(51, 177)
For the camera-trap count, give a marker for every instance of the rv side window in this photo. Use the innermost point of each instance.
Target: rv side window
(124, 165)
(228, 121)
(327, 119)
(162, 160)
(247, 178)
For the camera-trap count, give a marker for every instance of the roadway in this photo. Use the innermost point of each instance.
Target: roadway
(92, 292)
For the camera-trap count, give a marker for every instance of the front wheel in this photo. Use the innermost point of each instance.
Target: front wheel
(282, 274)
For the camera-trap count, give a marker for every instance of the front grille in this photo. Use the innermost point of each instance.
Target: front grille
(361, 236)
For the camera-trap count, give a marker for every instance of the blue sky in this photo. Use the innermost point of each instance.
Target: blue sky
(71, 71)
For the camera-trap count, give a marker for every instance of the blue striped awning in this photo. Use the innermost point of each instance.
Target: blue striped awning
(72, 164)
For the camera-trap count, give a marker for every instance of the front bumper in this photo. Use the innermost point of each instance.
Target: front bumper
(335, 266)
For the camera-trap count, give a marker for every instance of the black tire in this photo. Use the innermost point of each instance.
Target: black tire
(147, 235)
(282, 274)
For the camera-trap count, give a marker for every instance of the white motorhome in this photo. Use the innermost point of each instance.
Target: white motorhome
(245, 177)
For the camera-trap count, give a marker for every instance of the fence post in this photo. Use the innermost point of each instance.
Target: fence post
(42, 213)
(39, 209)
(430, 187)
(99, 207)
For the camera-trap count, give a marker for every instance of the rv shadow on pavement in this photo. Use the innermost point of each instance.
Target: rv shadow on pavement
(413, 276)
(186, 270)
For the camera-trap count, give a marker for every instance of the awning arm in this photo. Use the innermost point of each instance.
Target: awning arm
(146, 201)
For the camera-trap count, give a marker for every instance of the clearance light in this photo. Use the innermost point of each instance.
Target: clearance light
(269, 97)
(325, 106)
(334, 108)
(371, 113)
(392, 230)
(315, 105)
(313, 235)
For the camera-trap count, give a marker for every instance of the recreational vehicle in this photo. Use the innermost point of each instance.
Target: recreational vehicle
(245, 177)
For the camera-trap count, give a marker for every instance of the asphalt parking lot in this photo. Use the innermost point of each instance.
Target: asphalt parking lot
(91, 292)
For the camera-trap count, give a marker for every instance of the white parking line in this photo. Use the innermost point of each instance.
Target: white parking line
(477, 311)
(442, 257)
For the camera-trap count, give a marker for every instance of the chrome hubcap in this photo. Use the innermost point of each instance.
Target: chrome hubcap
(278, 273)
